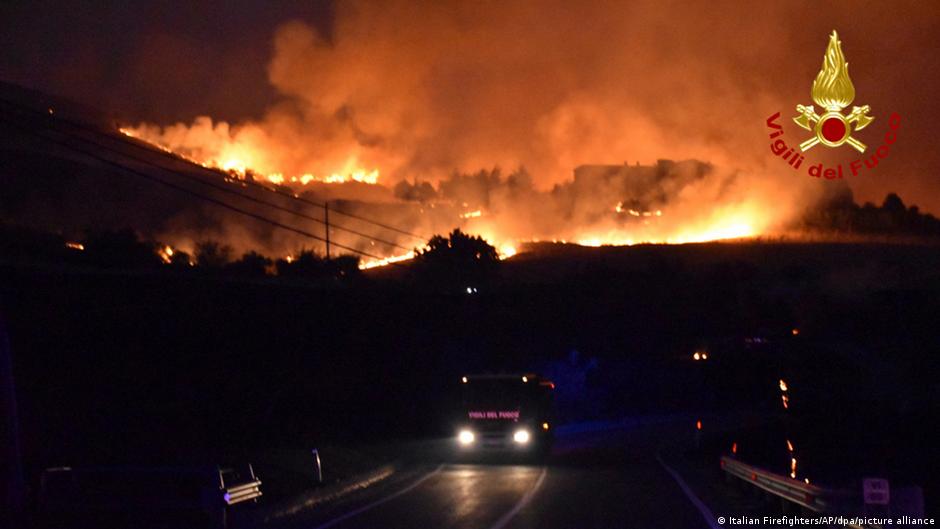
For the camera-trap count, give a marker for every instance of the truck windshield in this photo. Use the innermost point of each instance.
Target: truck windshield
(499, 393)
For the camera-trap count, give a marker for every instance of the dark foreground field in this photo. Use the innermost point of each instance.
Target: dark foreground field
(115, 367)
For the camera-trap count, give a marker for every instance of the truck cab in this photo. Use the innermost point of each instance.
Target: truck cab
(505, 413)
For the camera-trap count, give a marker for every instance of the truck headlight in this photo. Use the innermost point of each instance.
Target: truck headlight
(521, 437)
(465, 437)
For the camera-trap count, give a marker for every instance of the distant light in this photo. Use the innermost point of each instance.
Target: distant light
(734, 447)
(696, 356)
(704, 356)
(545, 426)
(789, 445)
(795, 332)
(783, 385)
(465, 437)
(463, 379)
(51, 111)
(75, 246)
(786, 401)
(806, 480)
(698, 425)
(521, 437)
(525, 379)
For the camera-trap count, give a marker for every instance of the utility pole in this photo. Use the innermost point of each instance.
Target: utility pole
(326, 215)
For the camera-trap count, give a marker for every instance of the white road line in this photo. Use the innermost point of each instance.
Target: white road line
(702, 508)
(379, 501)
(526, 498)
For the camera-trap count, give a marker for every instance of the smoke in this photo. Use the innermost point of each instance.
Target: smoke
(426, 92)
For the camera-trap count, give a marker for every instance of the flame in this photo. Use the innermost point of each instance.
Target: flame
(245, 157)
(166, 254)
(75, 246)
(375, 263)
(506, 251)
(783, 385)
(722, 230)
(833, 88)
(245, 160)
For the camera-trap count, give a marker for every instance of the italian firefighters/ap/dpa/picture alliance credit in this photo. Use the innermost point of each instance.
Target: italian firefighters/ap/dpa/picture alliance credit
(829, 126)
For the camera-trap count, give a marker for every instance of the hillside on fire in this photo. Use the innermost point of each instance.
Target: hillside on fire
(71, 172)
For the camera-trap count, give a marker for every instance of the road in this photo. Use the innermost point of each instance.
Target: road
(595, 480)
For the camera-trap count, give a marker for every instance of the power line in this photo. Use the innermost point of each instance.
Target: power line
(233, 191)
(185, 190)
(139, 144)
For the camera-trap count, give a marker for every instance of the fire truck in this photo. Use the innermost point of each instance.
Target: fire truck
(505, 413)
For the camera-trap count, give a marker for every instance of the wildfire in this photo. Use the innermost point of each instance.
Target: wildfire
(632, 212)
(506, 251)
(375, 263)
(245, 156)
(166, 254)
(246, 161)
(733, 230)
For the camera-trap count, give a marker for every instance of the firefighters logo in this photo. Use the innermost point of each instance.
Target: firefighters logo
(833, 91)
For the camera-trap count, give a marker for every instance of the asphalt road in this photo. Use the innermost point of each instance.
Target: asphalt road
(597, 480)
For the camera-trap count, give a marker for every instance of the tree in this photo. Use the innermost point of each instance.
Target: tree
(212, 255)
(457, 262)
(307, 264)
(120, 249)
(252, 264)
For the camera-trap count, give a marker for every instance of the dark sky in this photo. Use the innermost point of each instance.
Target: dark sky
(156, 60)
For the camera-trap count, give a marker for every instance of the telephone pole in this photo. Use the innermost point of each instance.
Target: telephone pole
(326, 215)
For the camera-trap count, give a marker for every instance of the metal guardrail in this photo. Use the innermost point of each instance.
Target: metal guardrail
(240, 491)
(812, 497)
(203, 497)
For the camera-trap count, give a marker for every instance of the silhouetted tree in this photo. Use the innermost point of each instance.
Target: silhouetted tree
(456, 262)
(120, 249)
(416, 192)
(181, 259)
(252, 264)
(212, 255)
(310, 265)
(893, 204)
(839, 213)
(306, 264)
(345, 267)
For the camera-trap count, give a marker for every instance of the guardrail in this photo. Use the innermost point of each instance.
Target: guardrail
(193, 497)
(813, 497)
(239, 490)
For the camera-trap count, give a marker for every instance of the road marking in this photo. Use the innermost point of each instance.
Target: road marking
(702, 508)
(380, 501)
(526, 498)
